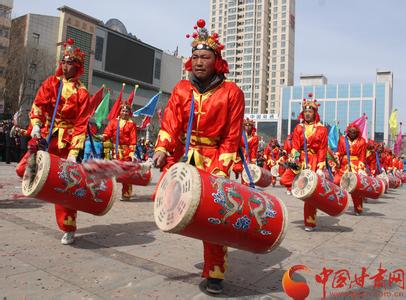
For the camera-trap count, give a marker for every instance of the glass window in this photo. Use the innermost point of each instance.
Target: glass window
(343, 91)
(355, 90)
(342, 109)
(35, 38)
(367, 90)
(331, 91)
(329, 112)
(297, 92)
(354, 110)
(319, 92)
(366, 108)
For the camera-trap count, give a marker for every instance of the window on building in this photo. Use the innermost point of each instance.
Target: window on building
(157, 72)
(283, 51)
(275, 30)
(283, 44)
(273, 81)
(33, 68)
(283, 29)
(272, 96)
(35, 38)
(98, 53)
(282, 58)
(273, 67)
(274, 59)
(274, 52)
(282, 66)
(284, 15)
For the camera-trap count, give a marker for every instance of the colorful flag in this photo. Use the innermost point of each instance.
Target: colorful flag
(145, 122)
(149, 108)
(95, 100)
(333, 137)
(131, 96)
(361, 123)
(398, 144)
(102, 110)
(393, 123)
(115, 110)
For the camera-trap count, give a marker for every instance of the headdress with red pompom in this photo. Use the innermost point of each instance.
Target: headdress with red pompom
(202, 40)
(310, 103)
(73, 54)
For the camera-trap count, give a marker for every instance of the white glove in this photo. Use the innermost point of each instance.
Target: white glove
(320, 172)
(36, 131)
(71, 158)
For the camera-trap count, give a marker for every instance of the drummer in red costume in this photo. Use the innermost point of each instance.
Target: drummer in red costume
(216, 131)
(272, 155)
(316, 137)
(357, 151)
(252, 141)
(69, 130)
(370, 159)
(127, 141)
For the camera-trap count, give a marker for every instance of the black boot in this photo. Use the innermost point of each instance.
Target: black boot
(214, 285)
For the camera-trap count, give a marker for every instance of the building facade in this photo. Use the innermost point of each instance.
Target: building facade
(6, 7)
(30, 61)
(259, 39)
(341, 103)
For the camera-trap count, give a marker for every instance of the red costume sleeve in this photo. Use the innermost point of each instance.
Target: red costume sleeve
(109, 132)
(79, 131)
(322, 152)
(171, 126)
(254, 148)
(232, 134)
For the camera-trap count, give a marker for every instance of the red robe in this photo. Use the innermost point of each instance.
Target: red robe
(357, 159)
(358, 149)
(370, 160)
(217, 126)
(127, 135)
(72, 114)
(216, 136)
(126, 147)
(253, 150)
(71, 120)
(317, 143)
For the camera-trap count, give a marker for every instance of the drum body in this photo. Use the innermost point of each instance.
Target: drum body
(260, 176)
(384, 177)
(136, 177)
(196, 204)
(362, 185)
(394, 182)
(59, 181)
(321, 193)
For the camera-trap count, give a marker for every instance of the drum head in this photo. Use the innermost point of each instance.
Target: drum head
(255, 172)
(349, 182)
(32, 186)
(304, 184)
(275, 171)
(177, 198)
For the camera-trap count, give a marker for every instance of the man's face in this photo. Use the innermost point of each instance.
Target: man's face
(248, 128)
(125, 113)
(309, 115)
(352, 133)
(203, 64)
(68, 69)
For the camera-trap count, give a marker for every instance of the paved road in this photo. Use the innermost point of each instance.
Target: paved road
(124, 255)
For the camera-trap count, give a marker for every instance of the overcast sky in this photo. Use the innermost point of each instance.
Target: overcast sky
(346, 40)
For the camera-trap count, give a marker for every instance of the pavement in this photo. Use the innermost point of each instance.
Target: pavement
(123, 255)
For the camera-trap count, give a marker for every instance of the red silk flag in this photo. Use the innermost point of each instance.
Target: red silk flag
(115, 110)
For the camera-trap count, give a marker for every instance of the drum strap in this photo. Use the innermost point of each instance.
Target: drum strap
(305, 147)
(247, 150)
(378, 162)
(329, 171)
(244, 162)
(189, 128)
(92, 147)
(51, 128)
(117, 137)
(347, 149)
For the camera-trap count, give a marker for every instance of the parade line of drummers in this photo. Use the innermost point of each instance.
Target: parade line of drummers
(202, 139)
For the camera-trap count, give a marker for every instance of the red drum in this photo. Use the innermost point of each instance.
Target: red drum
(136, 177)
(384, 177)
(196, 204)
(260, 176)
(59, 181)
(275, 171)
(394, 182)
(362, 185)
(321, 193)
